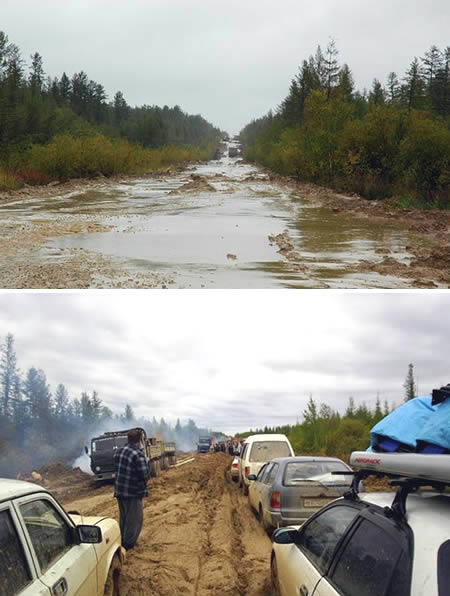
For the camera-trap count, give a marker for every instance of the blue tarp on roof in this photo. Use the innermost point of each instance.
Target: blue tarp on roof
(401, 429)
(437, 429)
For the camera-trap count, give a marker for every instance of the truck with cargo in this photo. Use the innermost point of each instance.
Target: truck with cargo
(158, 453)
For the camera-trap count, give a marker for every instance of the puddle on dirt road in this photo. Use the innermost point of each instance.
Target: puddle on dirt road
(218, 238)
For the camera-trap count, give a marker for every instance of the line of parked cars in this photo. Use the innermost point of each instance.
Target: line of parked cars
(330, 539)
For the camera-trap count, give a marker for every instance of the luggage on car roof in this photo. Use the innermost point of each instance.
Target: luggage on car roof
(421, 424)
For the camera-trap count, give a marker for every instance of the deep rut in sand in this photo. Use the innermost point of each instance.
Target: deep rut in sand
(199, 538)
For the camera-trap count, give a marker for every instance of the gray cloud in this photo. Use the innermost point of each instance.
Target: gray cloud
(229, 61)
(231, 360)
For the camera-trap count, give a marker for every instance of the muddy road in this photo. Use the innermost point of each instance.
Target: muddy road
(200, 537)
(224, 224)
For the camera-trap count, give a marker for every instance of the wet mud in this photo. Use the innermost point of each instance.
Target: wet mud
(224, 224)
(199, 538)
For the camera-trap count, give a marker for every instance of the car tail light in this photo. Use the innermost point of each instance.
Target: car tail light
(235, 465)
(275, 500)
(246, 471)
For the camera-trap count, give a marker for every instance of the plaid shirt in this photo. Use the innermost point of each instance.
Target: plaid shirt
(132, 472)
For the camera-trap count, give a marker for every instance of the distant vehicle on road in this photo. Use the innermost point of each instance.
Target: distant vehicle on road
(45, 551)
(204, 444)
(159, 453)
(233, 152)
(257, 451)
(235, 469)
(287, 491)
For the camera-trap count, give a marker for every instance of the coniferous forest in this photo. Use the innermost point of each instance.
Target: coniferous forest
(40, 425)
(393, 140)
(59, 128)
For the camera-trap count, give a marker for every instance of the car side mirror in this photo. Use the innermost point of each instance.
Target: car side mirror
(86, 449)
(251, 477)
(89, 534)
(285, 536)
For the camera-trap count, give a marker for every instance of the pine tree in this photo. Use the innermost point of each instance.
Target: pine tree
(8, 374)
(346, 85)
(393, 88)
(37, 73)
(61, 402)
(331, 68)
(377, 95)
(410, 384)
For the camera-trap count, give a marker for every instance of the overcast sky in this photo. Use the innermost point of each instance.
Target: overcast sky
(229, 60)
(231, 360)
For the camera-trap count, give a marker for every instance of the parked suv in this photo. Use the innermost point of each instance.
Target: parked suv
(45, 551)
(373, 544)
(258, 450)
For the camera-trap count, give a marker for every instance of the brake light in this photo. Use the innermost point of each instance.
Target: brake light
(246, 471)
(235, 465)
(275, 501)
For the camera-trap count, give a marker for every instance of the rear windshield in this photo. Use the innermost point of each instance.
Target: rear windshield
(296, 472)
(265, 450)
(206, 441)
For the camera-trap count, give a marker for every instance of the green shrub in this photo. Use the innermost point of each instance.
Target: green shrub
(9, 180)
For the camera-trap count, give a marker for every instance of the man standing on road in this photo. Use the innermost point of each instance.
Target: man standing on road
(132, 473)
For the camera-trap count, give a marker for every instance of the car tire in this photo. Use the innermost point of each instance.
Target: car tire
(274, 577)
(234, 479)
(112, 584)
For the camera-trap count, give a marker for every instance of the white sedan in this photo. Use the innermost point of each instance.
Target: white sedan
(364, 547)
(44, 551)
(234, 470)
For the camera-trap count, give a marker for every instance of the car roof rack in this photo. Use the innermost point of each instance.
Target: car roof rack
(406, 471)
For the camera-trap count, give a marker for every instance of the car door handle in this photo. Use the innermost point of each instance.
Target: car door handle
(303, 591)
(60, 588)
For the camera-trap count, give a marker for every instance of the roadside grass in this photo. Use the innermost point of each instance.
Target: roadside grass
(412, 202)
(66, 157)
(9, 180)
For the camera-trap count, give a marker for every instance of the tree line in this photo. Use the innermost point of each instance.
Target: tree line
(391, 140)
(39, 426)
(35, 108)
(324, 431)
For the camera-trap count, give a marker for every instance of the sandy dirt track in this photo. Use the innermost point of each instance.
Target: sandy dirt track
(199, 538)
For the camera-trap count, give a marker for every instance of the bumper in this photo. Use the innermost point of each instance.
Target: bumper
(276, 519)
(105, 475)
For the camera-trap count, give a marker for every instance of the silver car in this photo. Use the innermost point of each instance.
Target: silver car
(288, 490)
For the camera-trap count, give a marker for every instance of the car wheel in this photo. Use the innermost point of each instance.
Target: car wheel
(112, 585)
(234, 479)
(274, 577)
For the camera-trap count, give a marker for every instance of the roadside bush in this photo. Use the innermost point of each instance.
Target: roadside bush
(68, 157)
(424, 159)
(9, 180)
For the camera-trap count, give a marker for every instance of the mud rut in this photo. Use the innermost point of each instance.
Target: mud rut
(199, 537)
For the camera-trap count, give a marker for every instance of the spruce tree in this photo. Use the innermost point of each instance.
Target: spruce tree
(410, 384)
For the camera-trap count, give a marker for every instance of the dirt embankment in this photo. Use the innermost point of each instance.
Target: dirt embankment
(431, 229)
(199, 538)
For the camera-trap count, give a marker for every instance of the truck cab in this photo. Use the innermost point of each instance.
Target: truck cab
(204, 445)
(103, 449)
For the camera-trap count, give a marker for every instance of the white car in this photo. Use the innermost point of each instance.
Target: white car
(370, 545)
(258, 450)
(234, 470)
(44, 551)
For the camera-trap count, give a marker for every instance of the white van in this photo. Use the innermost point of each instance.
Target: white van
(259, 449)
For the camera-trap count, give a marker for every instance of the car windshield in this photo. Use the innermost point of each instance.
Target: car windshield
(298, 472)
(205, 441)
(109, 443)
(263, 451)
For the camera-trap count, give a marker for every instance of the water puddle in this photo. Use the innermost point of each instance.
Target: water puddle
(219, 238)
